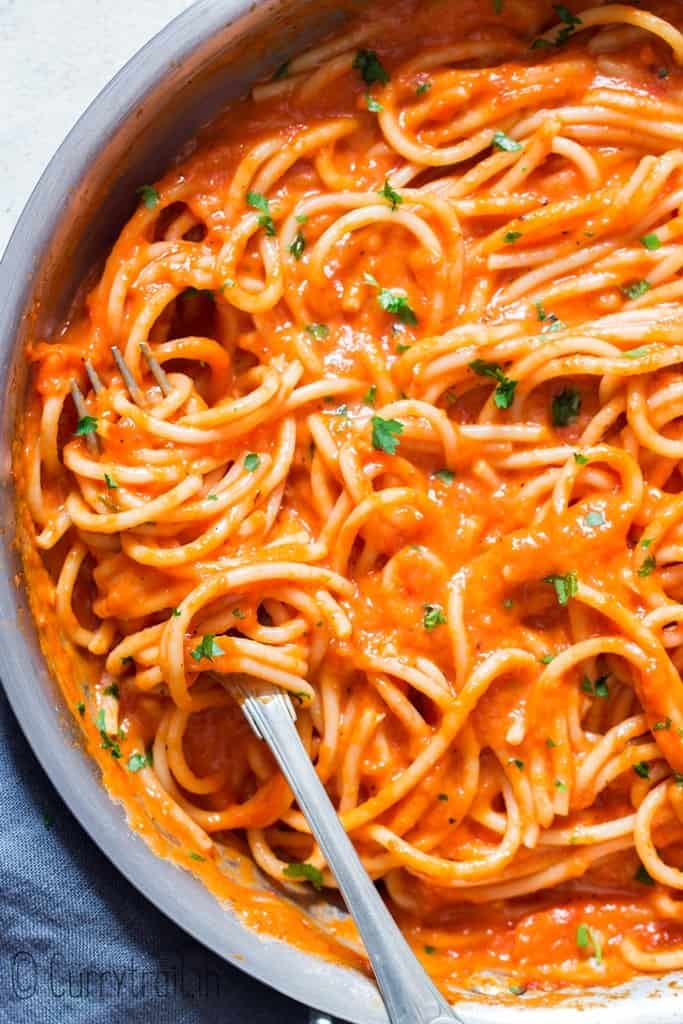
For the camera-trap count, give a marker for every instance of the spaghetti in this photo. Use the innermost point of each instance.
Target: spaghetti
(414, 457)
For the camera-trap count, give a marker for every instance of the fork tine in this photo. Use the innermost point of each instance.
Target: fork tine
(91, 439)
(97, 384)
(128, 378)
(156, 369)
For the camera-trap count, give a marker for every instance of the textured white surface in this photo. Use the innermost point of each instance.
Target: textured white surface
(55, 56)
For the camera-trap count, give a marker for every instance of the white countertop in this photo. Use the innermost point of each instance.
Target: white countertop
(55, 56)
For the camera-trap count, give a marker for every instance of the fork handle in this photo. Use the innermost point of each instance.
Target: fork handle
(409, 995)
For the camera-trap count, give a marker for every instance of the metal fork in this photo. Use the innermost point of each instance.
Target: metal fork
(409, 995)
(131, 384)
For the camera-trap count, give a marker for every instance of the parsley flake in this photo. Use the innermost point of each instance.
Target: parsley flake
(298, 245)
(502, 141)
(565, 407)
(307, 872)
(511, 236)
(504, 394)
(259, 202)
(433, 616)
(319, 331)
(635, 289)
(86, 425)
(208, 648)
(642, 769)
(390, 194)
(251, 462)
(137, 761)
(149, 196)
(595, 519)
(447, 476)
(648, 567)
(652, 242)
(370, 396)
(385, 434)
(565, 586)
(370, 66)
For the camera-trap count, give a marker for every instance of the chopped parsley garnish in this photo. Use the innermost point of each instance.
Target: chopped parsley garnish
(598, 688)
(645, 543)
(517, 763)
(540, 311)
(586, 937)
(370, 395)
(643, 877)
(517, 990)
(497, 6)
(565, 586)
(447, 476)
(678, 778)
(259, 202)
(663, 724)
(433, 616)
(502, 141)
(662, 72)
(580, 459)
(547, 658)
(208, 648)
(430, 950)
(370, 67)
(422, 88)
(107, 742)
(110, 482)
(390, 194)
(137, 761)
(80, 707)
(642, 768)
(149, 196)
(565, 407)
(559, 784)
(595, 519)
(175, 612)
(636, 353)
(550, 742)
(648, 567)
(282, 71)
(319, 331)
(636, 288)
(443, 797)
(251, 462)
(392, 301)
(307, 872)
(511, 236)
(86, 425)
(508, 602)
(373, 105)
(228, 283)
(112, 691)
(301, 218)
(298, 245)
(504, 394)
(385, 434)
(238, 613)
(652, 242)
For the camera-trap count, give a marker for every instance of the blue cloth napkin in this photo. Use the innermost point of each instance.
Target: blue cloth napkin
(79, 944)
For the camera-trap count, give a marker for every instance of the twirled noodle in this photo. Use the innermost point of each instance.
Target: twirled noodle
(411, 450)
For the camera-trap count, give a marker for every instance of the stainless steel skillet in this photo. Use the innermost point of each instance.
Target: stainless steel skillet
(184, 76)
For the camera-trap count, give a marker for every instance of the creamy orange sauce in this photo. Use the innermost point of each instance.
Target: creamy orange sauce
(413, 456)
